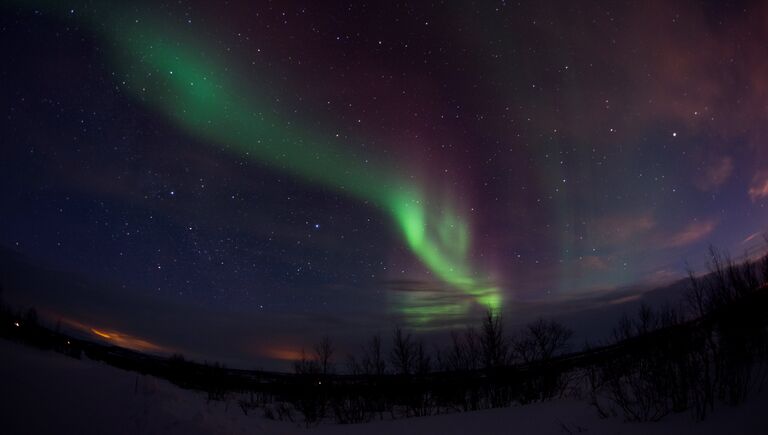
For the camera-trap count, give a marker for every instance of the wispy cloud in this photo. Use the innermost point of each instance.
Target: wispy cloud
(759, 187)
(752, 237)
(625, 299)
(693, 232)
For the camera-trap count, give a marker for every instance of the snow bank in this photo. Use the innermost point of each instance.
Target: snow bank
(45, 392)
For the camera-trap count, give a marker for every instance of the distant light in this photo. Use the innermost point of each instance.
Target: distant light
(317, 226)
(17, 324)
(674, 134)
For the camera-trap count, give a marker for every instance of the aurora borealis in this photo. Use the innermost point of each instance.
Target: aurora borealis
(299, 168)
(182, 86)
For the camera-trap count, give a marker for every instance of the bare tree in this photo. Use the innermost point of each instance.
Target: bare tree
(749, 274)
(764, 263)
(403, 355)
(696, 296)
(324, 356)
(764, 267)
(305, 366)
(646, 320)
(321, 362)
(719, 288)
(542, 340)
(312, 400)
(493, 344)
(375, 357)
(472, 347)
(451, 359)
(372, 362)
(624, 329)
(668, 316)
(741, 276)
(422, 360)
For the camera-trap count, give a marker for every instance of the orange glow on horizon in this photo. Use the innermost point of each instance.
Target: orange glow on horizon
(101, 334)
(130, 342)
(282, 353)
(118, 338)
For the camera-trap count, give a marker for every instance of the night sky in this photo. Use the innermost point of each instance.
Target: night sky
(233, 179)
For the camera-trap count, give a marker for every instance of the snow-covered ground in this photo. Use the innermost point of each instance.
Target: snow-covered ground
(45, 392)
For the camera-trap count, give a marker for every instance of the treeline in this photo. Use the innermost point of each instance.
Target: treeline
(481, 368)
(23, 325)
(710, 348)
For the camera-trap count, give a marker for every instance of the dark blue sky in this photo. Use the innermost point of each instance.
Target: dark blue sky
(595, 146)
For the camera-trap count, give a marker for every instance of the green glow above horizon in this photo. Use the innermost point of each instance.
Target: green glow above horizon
(203, 97)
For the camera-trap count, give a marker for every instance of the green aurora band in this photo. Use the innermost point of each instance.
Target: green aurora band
(171, 73)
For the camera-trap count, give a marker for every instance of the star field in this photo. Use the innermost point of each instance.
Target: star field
(347, 165)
